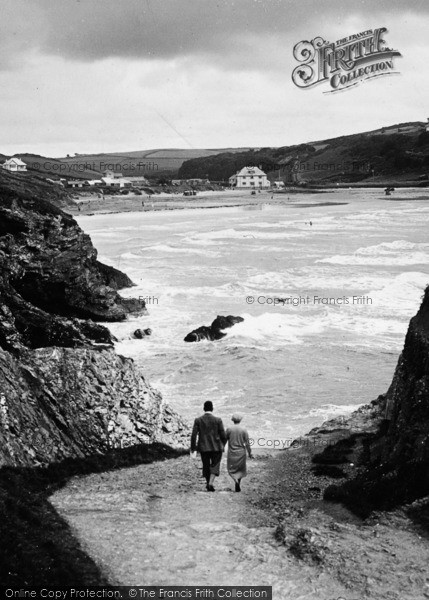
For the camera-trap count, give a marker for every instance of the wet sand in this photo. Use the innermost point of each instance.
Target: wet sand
(89, 205)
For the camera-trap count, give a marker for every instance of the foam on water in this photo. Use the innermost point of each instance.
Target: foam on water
(329, 411)
(176, 249)
(276, 328)
(309, 278)
(401, 294)
(130, 256)
(286, 367)
(398, 253)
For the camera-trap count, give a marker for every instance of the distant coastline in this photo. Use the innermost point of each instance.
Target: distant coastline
(90, 204)
(115, 204)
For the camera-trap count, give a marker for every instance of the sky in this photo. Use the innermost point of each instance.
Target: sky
(87, 76)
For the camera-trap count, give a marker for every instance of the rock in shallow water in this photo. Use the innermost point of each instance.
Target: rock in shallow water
(215, 331)
(139, 334)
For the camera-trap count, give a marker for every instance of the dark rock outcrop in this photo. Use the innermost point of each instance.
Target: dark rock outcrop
(48, 266)
(397, 454)
(139, 334)
(215, 331)
(113, 277)
(64, 393)
(58, 403)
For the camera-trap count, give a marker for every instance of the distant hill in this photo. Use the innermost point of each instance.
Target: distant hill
(399, 151)
(144, 162)
(55, 167)
(150, 163)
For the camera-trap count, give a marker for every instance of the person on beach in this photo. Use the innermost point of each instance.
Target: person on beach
(238, 445)
(209, 438)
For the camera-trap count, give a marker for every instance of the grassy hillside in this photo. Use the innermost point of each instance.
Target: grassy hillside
(55, 168)
(144, 162)
(150, 163)
(399, 152)
(396, 153)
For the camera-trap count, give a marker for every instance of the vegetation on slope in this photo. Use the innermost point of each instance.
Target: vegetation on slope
(397, 151)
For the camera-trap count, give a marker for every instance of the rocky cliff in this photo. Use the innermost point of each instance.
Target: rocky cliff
(397, 454)
(57, 403)
(63, 390)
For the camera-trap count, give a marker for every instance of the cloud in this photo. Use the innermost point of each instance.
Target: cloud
(98, 75)
(22, 29)
(221, 30)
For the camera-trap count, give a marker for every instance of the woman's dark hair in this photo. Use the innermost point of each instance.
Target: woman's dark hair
(208, 406)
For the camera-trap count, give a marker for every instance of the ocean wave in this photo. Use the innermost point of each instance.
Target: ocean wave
(389, 247)
(130, 256)
(329, 411)
(176, 250)
(403, 293)
(275, 327)
(243, 234)
(398, 252)
(297, 282)
(217, 235)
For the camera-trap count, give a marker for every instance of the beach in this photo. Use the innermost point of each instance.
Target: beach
(104, 204)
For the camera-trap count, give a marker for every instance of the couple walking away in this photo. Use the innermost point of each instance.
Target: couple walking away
(209, 438)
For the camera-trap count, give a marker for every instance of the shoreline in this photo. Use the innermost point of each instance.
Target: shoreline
(94, 205)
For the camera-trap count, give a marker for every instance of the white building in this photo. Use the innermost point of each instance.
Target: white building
(77, 183)
(250, 178)
(197, 181)
(14, 164)
(116, 182)
(279, 184)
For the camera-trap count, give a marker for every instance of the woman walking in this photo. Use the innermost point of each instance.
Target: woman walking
(238, 444)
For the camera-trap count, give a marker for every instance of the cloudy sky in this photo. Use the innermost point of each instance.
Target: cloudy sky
(121, 75)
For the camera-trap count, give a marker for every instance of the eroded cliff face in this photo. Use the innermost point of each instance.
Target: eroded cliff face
(48, 264)
(64, 392)
(405, 445)
(58, 403)
(397, 454)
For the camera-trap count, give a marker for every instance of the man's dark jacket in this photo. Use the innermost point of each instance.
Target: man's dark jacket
(209, 432)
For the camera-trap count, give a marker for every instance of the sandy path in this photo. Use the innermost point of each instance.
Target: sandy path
(156, 525)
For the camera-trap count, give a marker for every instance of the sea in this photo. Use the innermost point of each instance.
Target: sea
(349, 282)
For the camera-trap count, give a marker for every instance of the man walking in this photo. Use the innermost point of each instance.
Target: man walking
(209, 432)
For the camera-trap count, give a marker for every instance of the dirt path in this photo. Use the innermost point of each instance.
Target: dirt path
(156, 525)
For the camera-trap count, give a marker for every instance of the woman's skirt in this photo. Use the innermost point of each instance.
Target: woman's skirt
(236, 463)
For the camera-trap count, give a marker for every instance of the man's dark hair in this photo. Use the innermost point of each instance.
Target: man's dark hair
(208, 406)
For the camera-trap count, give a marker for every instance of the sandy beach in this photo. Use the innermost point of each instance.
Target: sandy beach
(97, 204)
